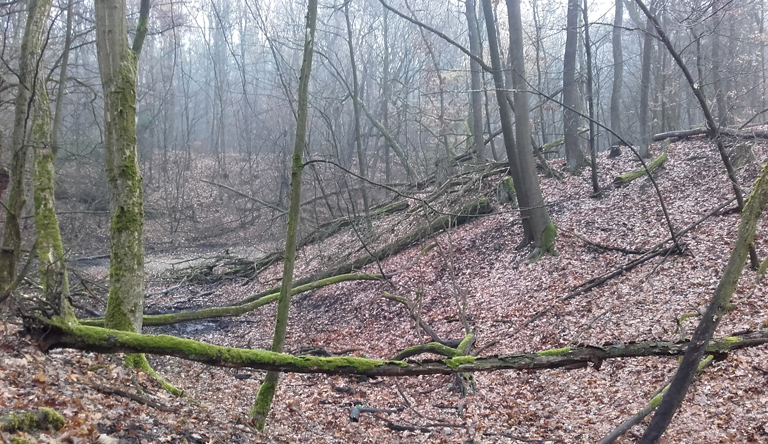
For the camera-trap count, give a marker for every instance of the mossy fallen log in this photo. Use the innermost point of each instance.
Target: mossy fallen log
(57, 333)
(624, 179)
(43, 419)
(240, 309)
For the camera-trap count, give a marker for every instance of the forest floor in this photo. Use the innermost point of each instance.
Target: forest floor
(728, 402)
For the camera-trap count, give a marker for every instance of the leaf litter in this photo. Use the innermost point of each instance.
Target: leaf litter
(727, 403)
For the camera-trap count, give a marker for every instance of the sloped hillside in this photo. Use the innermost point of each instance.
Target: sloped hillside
(512, 306)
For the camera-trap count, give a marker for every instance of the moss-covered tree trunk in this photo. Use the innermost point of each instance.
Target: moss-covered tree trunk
(50, 250)
(118, 65)
(263, 401)
(29, 73)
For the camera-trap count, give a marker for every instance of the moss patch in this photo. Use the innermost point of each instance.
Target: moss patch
(554, 351)
(454, 363)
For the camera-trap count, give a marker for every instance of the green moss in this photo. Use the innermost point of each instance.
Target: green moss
(554, 351)
(464, 344)
(724, 344)
(656, 400)
(116, 318)
(19, 440)
(53, 419)
(454, 363)
(15, 422)
(548, 237)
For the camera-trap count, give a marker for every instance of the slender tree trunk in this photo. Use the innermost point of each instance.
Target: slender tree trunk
(717, 82)
(590, 103)
(361, 160)
(476, 85)
(29, 74)
(618, 77)
(263, 401)
(544, 231)
(539, 77)
(645, 87)
(62, 79)
(506, 120)
(50, 250)
(574, 156)
(386, 93)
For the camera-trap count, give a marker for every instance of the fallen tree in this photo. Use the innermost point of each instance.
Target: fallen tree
(239, 309)
(626, 178)
(57, 333)
(682, 134)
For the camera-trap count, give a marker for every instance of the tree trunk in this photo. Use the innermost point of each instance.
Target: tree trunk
(590, 104)
(263, 401)
(50, 250)
(361, 160)
(574, 156)
(476, 86)
(29, 74)
(118, 65)
(506, 119)
(618, 78)
(645, 86)
(544, 231)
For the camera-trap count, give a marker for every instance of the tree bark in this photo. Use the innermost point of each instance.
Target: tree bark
(118, 66)
(29, 75)
(544, 230)
(574, 156)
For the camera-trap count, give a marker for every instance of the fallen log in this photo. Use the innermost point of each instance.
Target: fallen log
(626, 178)
(239, 309)
(679, 134)
(57, 333)
(741, 134)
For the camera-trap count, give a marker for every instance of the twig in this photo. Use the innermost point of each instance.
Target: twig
(141, 400)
